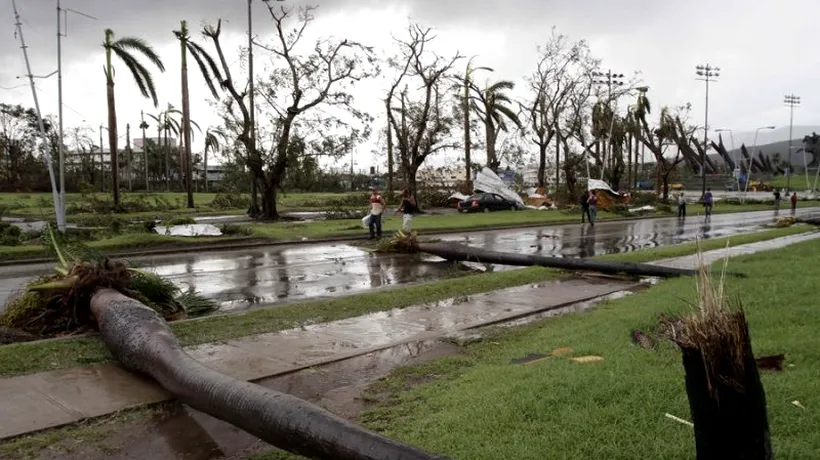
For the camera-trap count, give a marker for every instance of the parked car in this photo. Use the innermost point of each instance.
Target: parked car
(486, 202)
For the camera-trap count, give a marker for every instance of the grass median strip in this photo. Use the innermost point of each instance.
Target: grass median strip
(58, 354)
(478, 405)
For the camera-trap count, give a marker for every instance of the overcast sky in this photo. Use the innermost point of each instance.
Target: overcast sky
(765, 49)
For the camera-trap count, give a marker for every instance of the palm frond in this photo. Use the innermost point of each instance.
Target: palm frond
(207, 66)
(141, 75)
(141, 46)
(195, 304)
(503, 110)
(500, 86)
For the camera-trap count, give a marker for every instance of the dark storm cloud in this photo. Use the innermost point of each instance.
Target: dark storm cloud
(154, 20)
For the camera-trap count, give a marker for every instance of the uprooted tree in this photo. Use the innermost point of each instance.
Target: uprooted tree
(419, 118)
(298, 84)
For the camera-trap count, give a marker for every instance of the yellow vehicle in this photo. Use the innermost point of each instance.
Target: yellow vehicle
(758, 186)
(676, 187)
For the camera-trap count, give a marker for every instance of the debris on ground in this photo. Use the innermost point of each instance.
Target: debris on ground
(642, 340)
(784, 222)
(561, 351)
(529, 358)
(400, 242)
(771, 363)
(797, 404)
(587, 359)
(678, 419)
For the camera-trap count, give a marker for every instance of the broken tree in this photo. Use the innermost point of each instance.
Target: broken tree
(726, 396)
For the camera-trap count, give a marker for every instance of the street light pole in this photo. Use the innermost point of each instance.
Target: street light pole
(609, 79)
(708, 74)
(790, 100)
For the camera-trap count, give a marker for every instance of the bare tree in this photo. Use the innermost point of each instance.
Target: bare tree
(657, 140)
(418, 120)
(562, 66)
(301, 84)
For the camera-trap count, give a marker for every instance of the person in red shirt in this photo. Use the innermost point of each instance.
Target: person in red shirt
(376, 209)
(794, 202)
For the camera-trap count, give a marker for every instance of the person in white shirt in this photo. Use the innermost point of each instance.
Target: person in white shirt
(681, 207)
(376, 209)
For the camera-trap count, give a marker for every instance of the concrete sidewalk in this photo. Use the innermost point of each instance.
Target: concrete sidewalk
(51, 399)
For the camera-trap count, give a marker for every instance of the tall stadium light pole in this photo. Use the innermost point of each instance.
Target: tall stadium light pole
(791, 101)
(708, 74)
(608, 79)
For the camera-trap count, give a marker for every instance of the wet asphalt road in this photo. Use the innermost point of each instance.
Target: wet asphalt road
(243, 279)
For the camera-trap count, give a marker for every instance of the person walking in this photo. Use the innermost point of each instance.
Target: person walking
(681, 207)
(593, 207)
(708, 201)
(376, 209)
(776, 200)
(407, 209)
(585, 214)
(794, 202)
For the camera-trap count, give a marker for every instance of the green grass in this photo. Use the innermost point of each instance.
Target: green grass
(40, 205)
(798, 182)
(26, 358)
(479, 406)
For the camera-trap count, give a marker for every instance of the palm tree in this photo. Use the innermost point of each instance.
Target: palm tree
(143, 127)
(167, 125)
(127, 49)
(490, 106)
(213, 138)
(465, 108)
(206, 64)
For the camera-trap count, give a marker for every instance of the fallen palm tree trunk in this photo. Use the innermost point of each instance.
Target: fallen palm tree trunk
(726, 396)
(461, 253)
(140, 339)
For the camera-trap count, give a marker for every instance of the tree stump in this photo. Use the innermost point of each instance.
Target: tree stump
(726, 396)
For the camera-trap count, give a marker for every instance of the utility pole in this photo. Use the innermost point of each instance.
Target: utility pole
(143, 125)
(254, 209)
(708, 74)
(18, 23)
(130, 156)
(790, 100)
(609, 79)
(102, 163)
(62, 16)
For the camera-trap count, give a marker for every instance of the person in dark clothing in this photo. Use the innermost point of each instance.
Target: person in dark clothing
(776, 199)
(407, 209)
(681, 207)
(708, 201)
(794, 202)
(585, 212)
